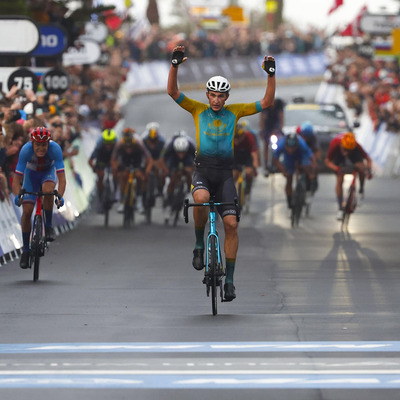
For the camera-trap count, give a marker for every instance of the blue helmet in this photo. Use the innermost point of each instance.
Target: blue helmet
(307, 129)
(291, 140)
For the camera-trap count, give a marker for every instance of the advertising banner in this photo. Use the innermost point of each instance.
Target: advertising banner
(53, 41)
(18, 35)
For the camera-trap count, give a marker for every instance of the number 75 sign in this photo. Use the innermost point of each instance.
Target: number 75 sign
(53, 81)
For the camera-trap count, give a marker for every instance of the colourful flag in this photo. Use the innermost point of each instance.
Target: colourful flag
(353, 28)
(337, 4)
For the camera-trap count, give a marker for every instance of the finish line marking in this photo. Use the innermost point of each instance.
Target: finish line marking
(201, 381)
(201, 378)
(200, 347)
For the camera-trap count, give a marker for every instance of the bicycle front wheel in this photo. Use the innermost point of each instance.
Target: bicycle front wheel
(240, 191)
(36, 246)
(296, 211)
(348, 208)
(212, 270)
(178, 203)
(150, 196)
(107, 202)
(128, 206)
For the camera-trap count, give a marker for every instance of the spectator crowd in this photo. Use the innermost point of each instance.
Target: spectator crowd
(91, 100)
(369, 83)
(157, 44)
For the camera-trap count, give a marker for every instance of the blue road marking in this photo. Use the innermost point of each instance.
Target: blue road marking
(156, 381)
(201, 347)
(201, 378)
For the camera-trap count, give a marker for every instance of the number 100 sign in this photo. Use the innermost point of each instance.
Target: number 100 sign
(55, 81)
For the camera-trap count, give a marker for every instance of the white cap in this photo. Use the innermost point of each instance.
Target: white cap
(29, 109)
(84, 110)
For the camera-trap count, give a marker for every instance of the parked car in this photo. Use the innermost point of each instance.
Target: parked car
(327, 119)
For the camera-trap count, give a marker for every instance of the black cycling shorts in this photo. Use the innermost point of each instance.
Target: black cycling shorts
(218, 182)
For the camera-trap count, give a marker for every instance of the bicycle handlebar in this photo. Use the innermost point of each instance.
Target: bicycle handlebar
(38, 193)
(212, 204)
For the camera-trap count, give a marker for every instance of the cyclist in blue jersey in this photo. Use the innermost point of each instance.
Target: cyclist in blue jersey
(306, 131)
(296, 155)
(215, 129)
(40, 163)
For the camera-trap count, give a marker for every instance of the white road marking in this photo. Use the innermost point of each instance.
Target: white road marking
(307, 371)
(393, 346)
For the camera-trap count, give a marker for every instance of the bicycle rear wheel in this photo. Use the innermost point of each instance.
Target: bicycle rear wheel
(36, 245)
(212, 270)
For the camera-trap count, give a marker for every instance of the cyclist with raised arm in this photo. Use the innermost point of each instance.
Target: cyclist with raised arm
(295, 155)
(40, 165)
(155, 144)
(130, 152)
(215, 129)
(342, 148)
(245, 156)
(100, 159)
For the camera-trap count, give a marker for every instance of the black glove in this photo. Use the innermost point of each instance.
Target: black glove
(269, 67)
(177, 58)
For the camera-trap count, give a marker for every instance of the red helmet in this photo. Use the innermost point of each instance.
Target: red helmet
(40, 134)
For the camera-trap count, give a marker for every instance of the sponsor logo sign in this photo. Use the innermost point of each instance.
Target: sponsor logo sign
(18, 35)
(53, 41)
(83, 52)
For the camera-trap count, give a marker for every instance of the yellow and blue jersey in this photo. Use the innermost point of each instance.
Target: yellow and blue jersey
(215, 130)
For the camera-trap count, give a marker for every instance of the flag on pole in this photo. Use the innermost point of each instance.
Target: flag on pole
(353, 28)
(336, 4)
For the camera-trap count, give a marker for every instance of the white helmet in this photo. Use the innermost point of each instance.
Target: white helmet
(181, 132)
(152, 129)
(218, 84)
(181, 144)
(153, 125)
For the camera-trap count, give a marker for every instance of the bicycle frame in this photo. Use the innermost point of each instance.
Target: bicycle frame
(38, 242)
(212, 232)
(129, 199)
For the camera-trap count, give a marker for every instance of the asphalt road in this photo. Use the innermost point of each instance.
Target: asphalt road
(122, 314)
